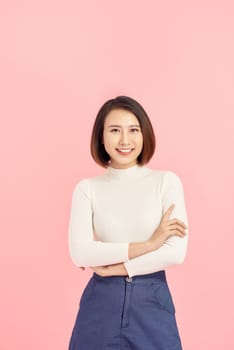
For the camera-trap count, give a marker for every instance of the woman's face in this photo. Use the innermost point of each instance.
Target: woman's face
(122, 138)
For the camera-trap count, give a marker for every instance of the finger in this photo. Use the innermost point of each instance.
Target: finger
(177, 233)
(177, 228)
(177, 221)
(168, 212)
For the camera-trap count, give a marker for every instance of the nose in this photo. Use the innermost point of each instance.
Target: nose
(124, 140)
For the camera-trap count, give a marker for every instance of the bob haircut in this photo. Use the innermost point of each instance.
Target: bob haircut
(97, 148)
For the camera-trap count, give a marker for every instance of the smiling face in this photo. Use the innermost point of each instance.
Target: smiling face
(122, 138)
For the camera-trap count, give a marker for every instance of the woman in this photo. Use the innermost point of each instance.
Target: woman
(128, 225)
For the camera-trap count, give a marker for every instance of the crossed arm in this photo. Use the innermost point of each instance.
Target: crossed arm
(135, 249)
(109, 270)
(113, 259)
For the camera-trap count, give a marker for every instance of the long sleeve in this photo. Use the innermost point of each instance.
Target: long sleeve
(84, 250)
(174, 249)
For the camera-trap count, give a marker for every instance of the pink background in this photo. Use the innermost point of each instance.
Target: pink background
(60, 60)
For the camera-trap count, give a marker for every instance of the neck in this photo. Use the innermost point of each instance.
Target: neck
(129, 173)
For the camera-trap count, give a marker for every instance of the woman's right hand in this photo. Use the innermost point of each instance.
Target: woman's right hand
(167, 228)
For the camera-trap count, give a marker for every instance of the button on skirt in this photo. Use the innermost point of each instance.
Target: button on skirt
(126, 313)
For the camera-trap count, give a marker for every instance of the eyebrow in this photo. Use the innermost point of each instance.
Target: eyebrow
(119, 126)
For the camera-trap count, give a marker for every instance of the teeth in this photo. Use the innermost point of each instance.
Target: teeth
(124, 150)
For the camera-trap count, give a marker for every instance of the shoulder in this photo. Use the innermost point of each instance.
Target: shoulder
(172, 182)
(172, 177)
(80, 189)
(83, 186)
(162, 173)
(86, 185)
(166, 177)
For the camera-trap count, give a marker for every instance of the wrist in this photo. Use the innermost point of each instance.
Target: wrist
(150, 245)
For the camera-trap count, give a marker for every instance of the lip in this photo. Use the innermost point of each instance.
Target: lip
(124, 153)
(124, 148)
(131, 148)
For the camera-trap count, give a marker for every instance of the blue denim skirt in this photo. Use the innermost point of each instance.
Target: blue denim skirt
(126, 313)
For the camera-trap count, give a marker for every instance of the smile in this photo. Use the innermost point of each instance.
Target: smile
(124, 150)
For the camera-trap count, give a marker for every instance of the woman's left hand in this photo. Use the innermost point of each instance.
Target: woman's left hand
(109, 270)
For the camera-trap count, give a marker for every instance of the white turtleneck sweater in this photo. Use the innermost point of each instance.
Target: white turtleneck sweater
(121, 206)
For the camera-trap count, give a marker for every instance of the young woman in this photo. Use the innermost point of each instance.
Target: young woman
(127, 225)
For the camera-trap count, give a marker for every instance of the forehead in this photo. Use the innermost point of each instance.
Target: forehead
(121, 117)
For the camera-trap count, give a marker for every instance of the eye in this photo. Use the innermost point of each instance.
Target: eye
(135, 129)
(114, 130)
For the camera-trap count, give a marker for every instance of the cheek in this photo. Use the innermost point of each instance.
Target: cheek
(139, 141)
(109, 141)
(106, 139)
